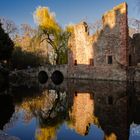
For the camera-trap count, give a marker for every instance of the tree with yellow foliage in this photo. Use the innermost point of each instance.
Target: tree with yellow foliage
(50, 31)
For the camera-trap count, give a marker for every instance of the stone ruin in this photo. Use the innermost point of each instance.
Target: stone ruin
(109, 54)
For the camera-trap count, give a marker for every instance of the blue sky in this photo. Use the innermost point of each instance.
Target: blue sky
(67, 11)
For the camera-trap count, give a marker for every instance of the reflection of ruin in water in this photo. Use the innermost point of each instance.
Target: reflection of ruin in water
(111, 106)
(82, 114)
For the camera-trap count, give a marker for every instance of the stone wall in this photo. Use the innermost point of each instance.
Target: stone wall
(131, 52)
(99, 73)
(136, 43)
(112, 40)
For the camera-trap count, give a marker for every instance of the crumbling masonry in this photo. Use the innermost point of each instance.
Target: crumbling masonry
(109, 54)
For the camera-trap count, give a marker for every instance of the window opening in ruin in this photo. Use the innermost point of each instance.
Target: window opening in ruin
(110, 61)
(75, 62)
(110, 100)
(86, 29)
(130, 60)
(75, 93)
(91, 62)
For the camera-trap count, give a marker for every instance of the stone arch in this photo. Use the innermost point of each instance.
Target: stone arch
(43, 77)
(57, 77)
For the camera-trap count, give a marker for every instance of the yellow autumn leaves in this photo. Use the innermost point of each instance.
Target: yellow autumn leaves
(46, 19)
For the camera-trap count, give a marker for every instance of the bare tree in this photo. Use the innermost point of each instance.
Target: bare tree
(9, 26)
(96, 26)
(134, 26)
(28, 30)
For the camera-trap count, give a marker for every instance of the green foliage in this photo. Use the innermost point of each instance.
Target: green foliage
(61, 50)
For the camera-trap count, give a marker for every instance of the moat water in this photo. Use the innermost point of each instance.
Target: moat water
(73, 110)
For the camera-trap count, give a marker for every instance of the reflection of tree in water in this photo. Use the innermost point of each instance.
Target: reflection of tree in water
(47, 133)
(50, 111)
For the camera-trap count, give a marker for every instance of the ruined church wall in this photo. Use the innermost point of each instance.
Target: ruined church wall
(80, 45)
(113, 38)
(112, 41)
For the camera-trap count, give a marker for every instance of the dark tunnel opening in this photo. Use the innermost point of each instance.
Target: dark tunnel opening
(43, 77)
(57, 77)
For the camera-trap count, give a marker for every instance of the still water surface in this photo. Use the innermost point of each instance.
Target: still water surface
(74, 110)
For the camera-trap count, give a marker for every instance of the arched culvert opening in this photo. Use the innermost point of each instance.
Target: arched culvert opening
(43, 77)
(57, 77)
